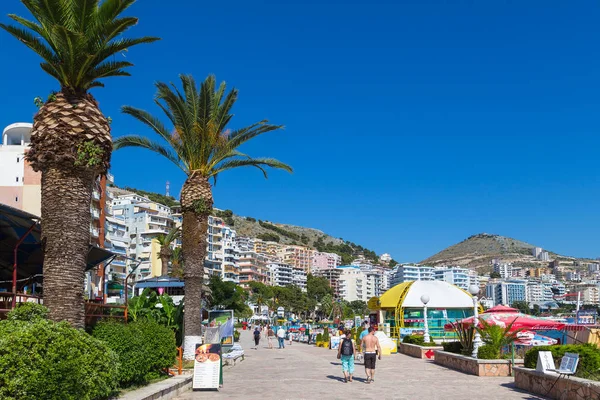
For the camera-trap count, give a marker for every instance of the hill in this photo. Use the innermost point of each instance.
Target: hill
(477, 252)
(276, 232)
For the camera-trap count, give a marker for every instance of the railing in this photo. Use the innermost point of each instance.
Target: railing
(7, 299)
(96, 311)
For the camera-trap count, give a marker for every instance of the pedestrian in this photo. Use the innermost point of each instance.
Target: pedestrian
(290, 336)
(371, 348)
(281, 337)
(270, 336)
(256, 337)
(346, 352)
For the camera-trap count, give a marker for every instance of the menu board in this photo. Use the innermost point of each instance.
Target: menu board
(207, 366)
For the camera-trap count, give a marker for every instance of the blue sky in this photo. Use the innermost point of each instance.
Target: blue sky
(410, 125)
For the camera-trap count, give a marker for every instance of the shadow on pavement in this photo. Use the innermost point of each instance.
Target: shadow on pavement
(335, 363)
(530, 396)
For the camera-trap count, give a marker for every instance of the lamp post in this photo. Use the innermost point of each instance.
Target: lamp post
(425, 300)
(474, 290)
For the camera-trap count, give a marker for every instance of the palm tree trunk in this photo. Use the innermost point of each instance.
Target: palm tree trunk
(164, 261)
(196, 204)
(66, 197)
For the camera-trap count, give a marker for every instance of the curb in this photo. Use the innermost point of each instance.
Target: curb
(163, 390)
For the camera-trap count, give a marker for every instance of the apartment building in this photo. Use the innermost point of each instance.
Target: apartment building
(230, 254)
(214, 247)
(410, 272)
(461, 277)
(144, 221)
(266, 248)
(20, 187)
(322, 260)
(352, 284)
(332, 275)
(280, 274)
(299, 278)
(296, 256)
(506, 292)
(504, 269)
(253, 267)
(245, 243)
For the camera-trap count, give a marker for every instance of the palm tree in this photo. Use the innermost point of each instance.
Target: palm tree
(166, 252)
(70, 141)
(177, 263)
(202, 146)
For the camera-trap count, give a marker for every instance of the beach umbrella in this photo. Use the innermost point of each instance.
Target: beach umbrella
(519, 321)
(501, 308)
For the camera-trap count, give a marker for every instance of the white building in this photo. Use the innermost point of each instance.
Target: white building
(352, 284)
(409, 272)
(385, 258)
(506, 292)
(230, 255)
(281, 274)
(536, 251)
(461, 277)
(299, 278)
(544, 256)
(504, 269)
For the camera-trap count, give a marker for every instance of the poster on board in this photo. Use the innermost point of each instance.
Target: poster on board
(207, 366)
(223, 319)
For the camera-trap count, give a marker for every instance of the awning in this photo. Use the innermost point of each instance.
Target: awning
(14, 224)
(518, 321)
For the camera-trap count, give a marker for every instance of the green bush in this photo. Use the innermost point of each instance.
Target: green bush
(46, 360)
(319, 337)
(589, 358)
(453, 347)
(488, 352)
(144, 348)
(419, 340)
(236, 335)
(28, 312)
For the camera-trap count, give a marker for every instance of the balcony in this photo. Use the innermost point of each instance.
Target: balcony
(95, 213)
(94, 232)
(96, 194)
(110, 178)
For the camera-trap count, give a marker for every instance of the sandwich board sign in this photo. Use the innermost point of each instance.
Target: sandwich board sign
(545, 362)
(207, 367)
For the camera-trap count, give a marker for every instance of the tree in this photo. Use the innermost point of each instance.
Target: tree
(79, 42)
(495, 275)
(317, 287)
(522, 306)
(226, 295)
(392, 263)
(166, 251)
(359, 307)
(202, 146)
(177, 263)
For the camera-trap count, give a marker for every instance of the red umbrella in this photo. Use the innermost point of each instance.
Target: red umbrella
(501, 308)
(519, 321)
(303, 329)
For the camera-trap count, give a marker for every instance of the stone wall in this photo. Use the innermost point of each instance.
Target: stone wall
(474, 366)
(565, 388)
(417, 351)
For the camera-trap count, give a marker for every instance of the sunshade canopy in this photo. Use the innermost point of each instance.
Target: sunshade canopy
(14, 225)
(519, 321)
(501, 308)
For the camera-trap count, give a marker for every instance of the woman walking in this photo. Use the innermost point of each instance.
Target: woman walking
(256, 337)
(270, 336)
(346, 352)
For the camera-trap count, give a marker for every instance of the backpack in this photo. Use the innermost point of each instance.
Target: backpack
(347, 349)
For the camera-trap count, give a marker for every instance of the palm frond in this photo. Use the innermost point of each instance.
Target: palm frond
(76, 37)
(259, 163)
(145, 143)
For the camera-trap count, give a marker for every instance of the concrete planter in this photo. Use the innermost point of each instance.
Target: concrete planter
(564, 388)
(475, 366)
(417, 351)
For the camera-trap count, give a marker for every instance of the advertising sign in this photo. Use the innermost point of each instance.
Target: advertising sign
(587, 317)
(207, 366)
(335, 342)
(222, 319)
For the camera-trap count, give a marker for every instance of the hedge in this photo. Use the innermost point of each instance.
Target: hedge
(488, 352)
(28, 312)
(144, 348)
(453, 347)
(589, 358)
(419, 340)
(40, 359)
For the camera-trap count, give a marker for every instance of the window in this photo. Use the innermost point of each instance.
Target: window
(17, 198)
(17, 179)
(17, 159)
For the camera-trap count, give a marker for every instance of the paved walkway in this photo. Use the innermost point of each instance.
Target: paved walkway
(301, 371)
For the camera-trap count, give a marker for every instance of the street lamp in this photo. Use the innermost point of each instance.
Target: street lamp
(425, 300)
(474, 290)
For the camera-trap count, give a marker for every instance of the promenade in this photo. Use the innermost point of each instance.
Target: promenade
(306, 372)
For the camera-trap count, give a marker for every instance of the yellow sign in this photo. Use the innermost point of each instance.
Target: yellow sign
(373, 303)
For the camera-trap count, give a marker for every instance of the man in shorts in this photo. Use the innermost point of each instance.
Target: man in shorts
(371, 348)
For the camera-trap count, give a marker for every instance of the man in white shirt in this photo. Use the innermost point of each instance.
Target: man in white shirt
(281, 337)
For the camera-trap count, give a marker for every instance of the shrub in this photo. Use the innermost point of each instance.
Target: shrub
(144, 348)
(453, 347)
(488, 352)
(319, 338)
(236, 335)
(46, 360)
(28, 312)
(419, 340)
(589, 358)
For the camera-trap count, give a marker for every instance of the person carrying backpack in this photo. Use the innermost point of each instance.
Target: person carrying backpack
(346, 351)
